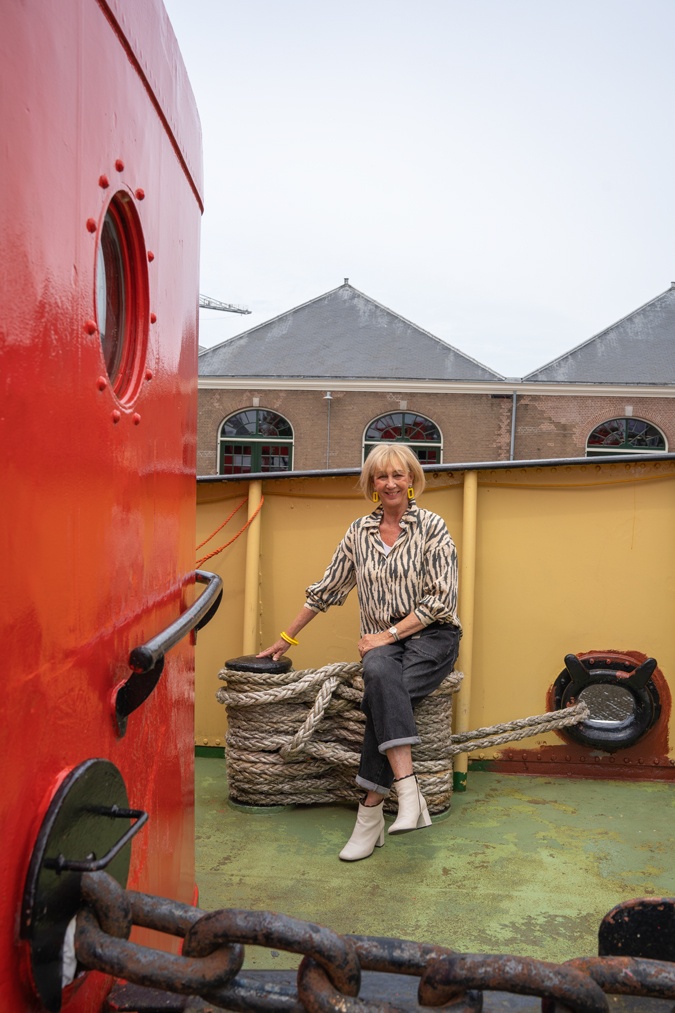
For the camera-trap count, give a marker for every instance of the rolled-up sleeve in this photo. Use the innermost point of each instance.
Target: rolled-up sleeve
(338, 580)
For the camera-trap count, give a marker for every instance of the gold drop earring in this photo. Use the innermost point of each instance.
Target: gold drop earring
(411, 492)
(375, 496)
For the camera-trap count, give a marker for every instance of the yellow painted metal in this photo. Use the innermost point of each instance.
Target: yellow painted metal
(568, 558)
(251, 636)
(467, 584)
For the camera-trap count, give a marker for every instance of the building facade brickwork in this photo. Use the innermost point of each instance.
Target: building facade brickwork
(628, 370)
(474, 427)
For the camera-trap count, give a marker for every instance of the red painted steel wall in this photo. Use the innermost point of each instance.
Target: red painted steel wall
(97, 508)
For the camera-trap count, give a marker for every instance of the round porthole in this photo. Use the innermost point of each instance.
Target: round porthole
(122, 296)
(622, 697)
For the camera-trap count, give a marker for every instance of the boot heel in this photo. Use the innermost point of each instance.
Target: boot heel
(379, 843)
(424, 820)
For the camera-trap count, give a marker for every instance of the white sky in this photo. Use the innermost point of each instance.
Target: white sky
(500, 172)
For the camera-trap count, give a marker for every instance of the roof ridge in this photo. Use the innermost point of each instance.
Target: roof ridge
(599, 334)
(441, 341)
(279, 316)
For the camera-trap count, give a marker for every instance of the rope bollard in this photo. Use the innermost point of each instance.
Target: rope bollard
(294, 737)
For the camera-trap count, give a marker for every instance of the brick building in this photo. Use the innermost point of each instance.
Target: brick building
(316, 386)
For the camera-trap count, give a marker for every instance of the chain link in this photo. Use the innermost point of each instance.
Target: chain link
(329, 975)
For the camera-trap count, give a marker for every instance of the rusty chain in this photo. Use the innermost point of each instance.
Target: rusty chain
(329, 975)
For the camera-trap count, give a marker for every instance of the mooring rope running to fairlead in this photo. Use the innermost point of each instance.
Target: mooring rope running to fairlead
(296, 735)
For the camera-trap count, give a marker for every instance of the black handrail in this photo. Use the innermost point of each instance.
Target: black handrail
(145, 657)
(147, 660)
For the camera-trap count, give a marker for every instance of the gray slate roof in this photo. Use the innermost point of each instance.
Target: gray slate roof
(341, 335)
(638, 349)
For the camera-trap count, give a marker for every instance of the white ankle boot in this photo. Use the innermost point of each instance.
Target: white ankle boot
(367, 835)
(412, 809)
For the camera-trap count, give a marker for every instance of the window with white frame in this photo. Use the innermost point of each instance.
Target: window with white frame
(625, 436)
(255, 440)
(421, 434)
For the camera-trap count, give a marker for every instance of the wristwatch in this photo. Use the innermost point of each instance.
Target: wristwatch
(394, 633)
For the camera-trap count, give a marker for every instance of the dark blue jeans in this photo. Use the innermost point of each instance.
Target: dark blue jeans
(396, 678)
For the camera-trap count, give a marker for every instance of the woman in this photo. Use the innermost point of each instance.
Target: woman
(403, 563)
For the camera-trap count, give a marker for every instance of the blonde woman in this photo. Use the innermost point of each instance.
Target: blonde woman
(403, 563)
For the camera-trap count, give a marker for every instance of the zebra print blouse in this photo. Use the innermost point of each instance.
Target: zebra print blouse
(419, 574)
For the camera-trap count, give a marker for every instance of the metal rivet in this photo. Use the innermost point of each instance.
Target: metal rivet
(148, 374)
(151, 256)
(91, 225)
(626, 759)
(101, 383)
(153, 318)
(119, 165)
(103, 182)
(140, 194)
(115, 416)
(90, 326)
(136, 418)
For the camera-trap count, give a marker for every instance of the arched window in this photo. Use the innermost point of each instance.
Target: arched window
(255, 440)
(420, 433)
(625, 436)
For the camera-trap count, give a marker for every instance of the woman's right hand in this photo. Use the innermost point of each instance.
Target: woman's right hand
(278, 648)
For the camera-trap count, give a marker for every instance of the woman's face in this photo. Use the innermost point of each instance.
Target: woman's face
(391, 482)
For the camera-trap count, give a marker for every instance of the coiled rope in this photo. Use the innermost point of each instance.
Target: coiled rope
(295, 737)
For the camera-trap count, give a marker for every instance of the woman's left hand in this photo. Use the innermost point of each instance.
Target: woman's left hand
(371, 640)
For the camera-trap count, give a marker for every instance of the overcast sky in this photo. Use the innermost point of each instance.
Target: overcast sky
(499, 172)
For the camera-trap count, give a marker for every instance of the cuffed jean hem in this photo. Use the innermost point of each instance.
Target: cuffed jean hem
(411, 740)
(370, 785)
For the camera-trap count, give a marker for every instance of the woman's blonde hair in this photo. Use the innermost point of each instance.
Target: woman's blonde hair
(385, 455)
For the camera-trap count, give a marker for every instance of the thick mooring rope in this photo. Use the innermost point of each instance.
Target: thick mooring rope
(295, 737)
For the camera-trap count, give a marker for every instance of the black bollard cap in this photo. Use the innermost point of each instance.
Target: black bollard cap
(251, 663)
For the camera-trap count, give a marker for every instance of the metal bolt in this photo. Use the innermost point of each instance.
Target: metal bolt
(91, 225)
(148, 374)
(116, 416)
(90, 326)
(140, 194)
(119, 165)
(136, 418)
(103, 182)
(153, 318)
(151, 256)
(101, 383)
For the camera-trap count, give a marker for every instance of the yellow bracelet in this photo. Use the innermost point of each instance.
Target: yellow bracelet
(289, 640)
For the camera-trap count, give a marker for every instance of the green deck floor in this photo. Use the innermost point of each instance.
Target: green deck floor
(523, 865)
